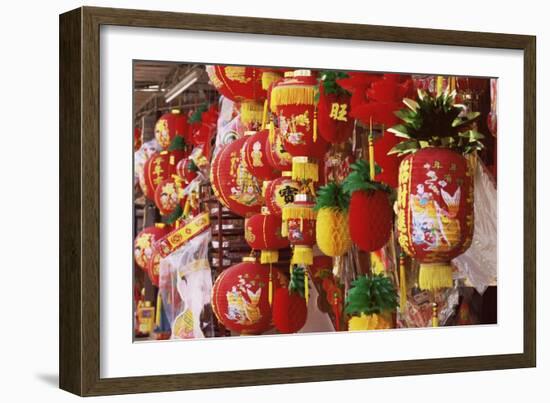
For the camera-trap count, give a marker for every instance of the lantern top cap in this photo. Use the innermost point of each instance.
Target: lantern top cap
(250, 259)
(249, 132)
(287, 173)
(163, 152)
(176, 111)
(160, 225)
(302, 73)
(289, 74)
(301, 197)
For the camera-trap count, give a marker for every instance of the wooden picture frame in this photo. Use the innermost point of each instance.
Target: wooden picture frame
(80, 186)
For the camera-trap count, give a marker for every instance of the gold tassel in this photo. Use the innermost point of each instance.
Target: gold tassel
(315, 125)
(402, 284)
(269, 256)
(264, 116)
(271, 132)
(292, 95)
(158, 312)
(306, 286)
(303, 169)
(251, 112)
(303, 255)
(435, 318)
(434, 276)
(187, 207)
(294, 212)
(268, 78)
(270, 289)
(284, 229)
(371, 152)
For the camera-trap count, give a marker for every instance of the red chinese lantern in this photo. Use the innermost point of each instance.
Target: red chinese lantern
(137, 138)
(159, 167)
(335, 123)
(293, 101)
(144, 243)
(280, 192)
(168, 195)
(263, 232)
(232, 183)
(276, 154)
(289, 311)
(153, 268)
(240, 298)
(255, 156)
(237, 83)
(299, 221)
(435, 212)
(170, 125)
(187, 169)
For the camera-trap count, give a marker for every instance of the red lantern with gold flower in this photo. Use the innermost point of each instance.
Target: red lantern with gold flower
(187, 170)
(280, 192)
(299, 221)
(263, 232)
(240, 297)
(168, 195)
(170, 125)
(233, 185)
(159, 167)
(435, 212)
(153, 268)
(276, 154)
(144, 243)
(255, 156)
(238, 83)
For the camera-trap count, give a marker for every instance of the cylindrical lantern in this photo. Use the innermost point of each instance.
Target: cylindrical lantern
(170, 125)
(276, 154)
(237, 83)
(240, 298)
(299, 225)
(335, 124)
(255, 156)
(160, 166)
(144, 243)
(168, 195)
(232, 183)
(293, 101)
(263, 232)
(280, 192)
(435, 212)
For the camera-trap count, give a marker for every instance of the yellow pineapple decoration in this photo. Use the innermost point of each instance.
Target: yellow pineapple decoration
(332, 231)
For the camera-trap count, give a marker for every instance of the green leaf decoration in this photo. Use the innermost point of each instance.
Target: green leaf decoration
(177, 143)
(371, 294)
(192, 166)
(297, 280)
(436, 121)
(174, 216)
(196, 117)
(332, 195)
(328, 80)
(359, 179)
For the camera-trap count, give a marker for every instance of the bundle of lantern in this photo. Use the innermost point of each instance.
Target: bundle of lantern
(280, 192)
(233, 184)
(371, 302)
(254, 155)
(436, 190)
(144, 243)
(290, 305)
(240, 296)
(293, 101)
(170, 125)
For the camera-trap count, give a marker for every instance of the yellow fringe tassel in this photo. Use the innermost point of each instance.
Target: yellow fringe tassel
(293, 211)
(284, 229)
(435, 318)
(303, 169)
(271, 132)
(315, 126)
(268, 78)
(402, 285)
(303, 255)
(269, 256)
(292, 95)
(270, 288)
(158, 312)
(434, 276)
(264, 115)
(251, 112)
(187, 207)
(306, 286)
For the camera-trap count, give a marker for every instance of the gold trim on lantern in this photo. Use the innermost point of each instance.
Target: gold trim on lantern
(434, 276)
(294, 212)
(304, 169)
(269, 256)
(268, 78)
(251, 112)
(302, 255)
(292, 95)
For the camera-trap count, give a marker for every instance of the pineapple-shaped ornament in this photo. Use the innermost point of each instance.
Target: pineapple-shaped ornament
(332, 231)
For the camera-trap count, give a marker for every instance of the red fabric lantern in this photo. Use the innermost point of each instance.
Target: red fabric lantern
(289, 311)
(276, 154)
(159, 167)
(237, 83)
(255, 156)
(232, 183)
(153, 268)
(170, 125)
(263, 232)
(137, 138)
(280, 192)
(435, 212)
(299, 221)
(372, 207)
(240, 297)
(144, 243)
(187, 169)
(168, 195)
(335, 123)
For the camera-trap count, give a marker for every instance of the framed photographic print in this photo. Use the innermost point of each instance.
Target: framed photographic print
(250, 201)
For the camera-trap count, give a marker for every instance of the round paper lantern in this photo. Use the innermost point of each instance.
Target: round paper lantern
(255, 156)
(293, 101)
(280, 192)
(372, 207)
(276, 154)
(167, 196)
(289, 311)
(238, 83)
(335, 124)
(159, 167)
(170, 125)
(153, 268)
(240, 297)
(299, 226)
(187, 169)
(263, 232)
(144, 243)
(232, 183)
(435, 212)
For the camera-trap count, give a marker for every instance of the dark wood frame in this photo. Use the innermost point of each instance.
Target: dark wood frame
(79, 200)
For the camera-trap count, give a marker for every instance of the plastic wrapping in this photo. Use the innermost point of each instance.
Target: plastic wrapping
(185, 287)
(479, 263)
(141, 156)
